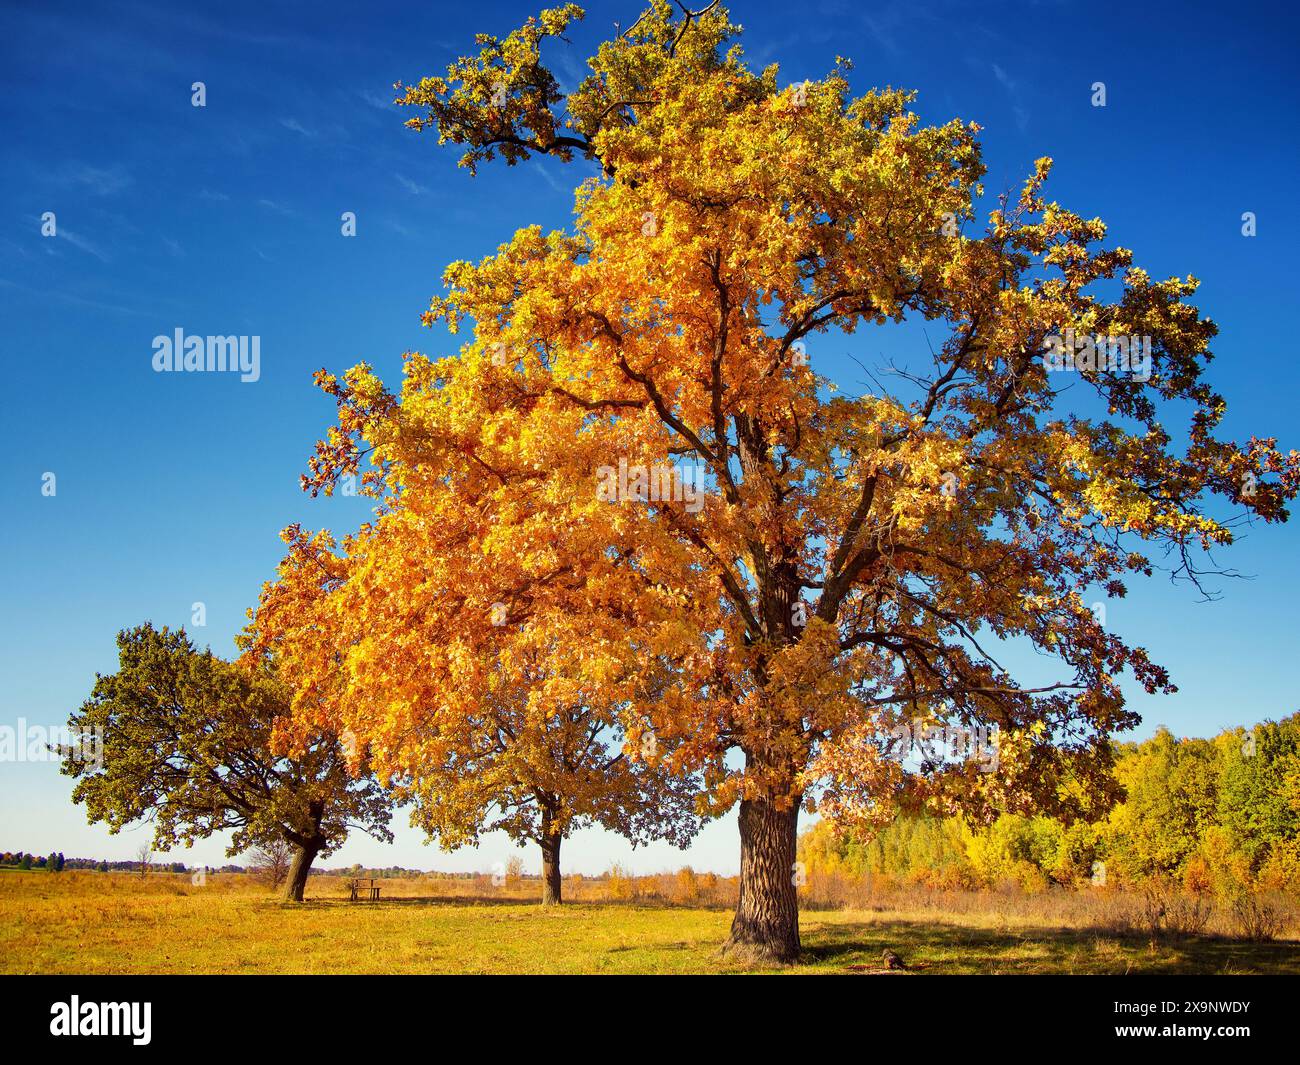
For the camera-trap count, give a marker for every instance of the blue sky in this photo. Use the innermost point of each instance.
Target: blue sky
(171, 488)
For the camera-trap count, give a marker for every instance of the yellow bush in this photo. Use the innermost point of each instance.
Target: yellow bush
(1281, 869)
(619, 883)
(1028, 877)
(686, 885)
(1197, 878)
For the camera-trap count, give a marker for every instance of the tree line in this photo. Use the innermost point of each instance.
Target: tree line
(56, 863)
(1215, 815)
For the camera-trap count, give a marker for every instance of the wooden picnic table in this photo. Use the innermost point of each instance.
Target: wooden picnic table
(355, 889)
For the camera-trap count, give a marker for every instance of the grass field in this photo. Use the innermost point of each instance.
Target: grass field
(77, 922)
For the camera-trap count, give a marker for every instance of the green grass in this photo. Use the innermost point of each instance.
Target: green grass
(100, 924)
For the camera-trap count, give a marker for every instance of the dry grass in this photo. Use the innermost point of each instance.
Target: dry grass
(82, 922)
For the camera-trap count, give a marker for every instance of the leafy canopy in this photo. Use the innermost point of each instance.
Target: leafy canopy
(487, 724)
(187, 744)
(859, 559)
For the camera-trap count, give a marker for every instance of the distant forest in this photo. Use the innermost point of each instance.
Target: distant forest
(1219, 814)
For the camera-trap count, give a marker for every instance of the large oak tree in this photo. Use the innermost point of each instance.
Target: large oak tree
(860, 560)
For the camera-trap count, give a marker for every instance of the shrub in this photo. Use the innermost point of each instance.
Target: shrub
(1164, 909)
(1281, 869)
(1256, 918)
(1028, 877)
(619, 882)
(686, 885)
(1197, 878)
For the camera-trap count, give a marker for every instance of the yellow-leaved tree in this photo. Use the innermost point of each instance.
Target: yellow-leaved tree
(634, 454)
(391, 640)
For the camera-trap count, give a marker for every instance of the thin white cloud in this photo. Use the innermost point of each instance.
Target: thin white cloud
(78, 241)
(54, 295)
(549, 178)
(1018, 109)
(297, 127)
(376, 100)
(98, 181)
(413, 187)
(574, 73)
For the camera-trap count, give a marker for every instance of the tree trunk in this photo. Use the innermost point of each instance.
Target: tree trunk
(551, 878)
(766, 926)
(303, 855)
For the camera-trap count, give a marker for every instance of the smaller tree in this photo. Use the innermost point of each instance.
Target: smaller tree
(537, 744)
(539, 766)
(25, 862)
(61, 862)
(145, 857)
(187, 743)
(271, 860)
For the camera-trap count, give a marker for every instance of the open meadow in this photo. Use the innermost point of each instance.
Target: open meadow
(120, 923)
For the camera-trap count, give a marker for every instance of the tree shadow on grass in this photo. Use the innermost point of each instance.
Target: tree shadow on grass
(505, 900)
(500, 900)
(940, 947)
(465, 901)
(679, 945)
